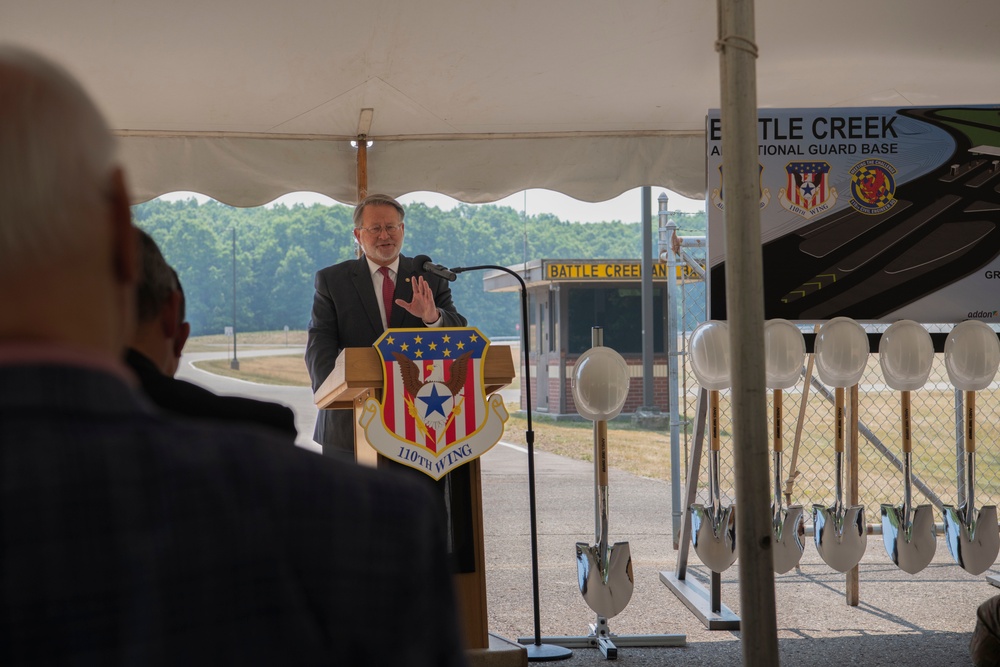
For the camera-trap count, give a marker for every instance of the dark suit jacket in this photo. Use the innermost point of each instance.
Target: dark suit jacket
(132, 538)
(189, 399)
(345, 314)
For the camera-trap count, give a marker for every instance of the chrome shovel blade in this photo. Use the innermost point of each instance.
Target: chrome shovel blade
(788, 545)
(974, 546)
(909, 543)
(841, 536)
(607, 595)
(713, 534)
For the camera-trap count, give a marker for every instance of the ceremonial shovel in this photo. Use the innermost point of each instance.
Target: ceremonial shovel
(905, 355)
(600, 387)
(971, 354)
(784, 351)
(713, 527)
(840, 532)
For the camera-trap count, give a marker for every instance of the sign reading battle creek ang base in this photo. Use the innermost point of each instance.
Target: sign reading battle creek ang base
(872, 213)
(434, 414)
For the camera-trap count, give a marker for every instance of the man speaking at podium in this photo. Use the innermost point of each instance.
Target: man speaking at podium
(357, 300)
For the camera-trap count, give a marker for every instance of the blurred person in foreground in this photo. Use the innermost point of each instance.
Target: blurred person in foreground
(132, 537)
(984, 644)
(155, 350)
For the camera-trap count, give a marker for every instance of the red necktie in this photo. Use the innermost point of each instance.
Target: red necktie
(388, 288)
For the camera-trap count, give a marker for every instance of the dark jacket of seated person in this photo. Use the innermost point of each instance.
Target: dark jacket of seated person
(187, 398)
(156, 346)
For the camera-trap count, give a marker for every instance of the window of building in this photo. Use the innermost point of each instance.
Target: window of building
(619, 311)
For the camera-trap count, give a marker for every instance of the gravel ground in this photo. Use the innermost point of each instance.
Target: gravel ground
(902, 619)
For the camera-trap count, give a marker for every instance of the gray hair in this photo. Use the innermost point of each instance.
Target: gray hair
(157, 281)
(376, 200)
(56, 156)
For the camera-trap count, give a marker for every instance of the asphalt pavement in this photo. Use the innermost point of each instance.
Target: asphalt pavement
(921, 620)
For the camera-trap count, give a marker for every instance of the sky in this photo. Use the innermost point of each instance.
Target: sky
(627, 207)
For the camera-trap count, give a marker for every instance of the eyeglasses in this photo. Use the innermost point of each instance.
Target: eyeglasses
(377, 231)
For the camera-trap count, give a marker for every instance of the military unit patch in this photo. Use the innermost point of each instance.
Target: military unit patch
(765, 193)
(873, 188)
(434, 414)
(808, 191)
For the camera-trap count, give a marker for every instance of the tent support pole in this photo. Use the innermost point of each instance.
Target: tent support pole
(364, 128)
(745, 312)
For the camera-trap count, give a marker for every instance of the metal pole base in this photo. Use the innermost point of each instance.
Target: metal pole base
(602, 638)
(544, 652)
(709, 609)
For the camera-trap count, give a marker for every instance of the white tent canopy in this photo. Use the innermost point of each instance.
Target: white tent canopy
(245, 101)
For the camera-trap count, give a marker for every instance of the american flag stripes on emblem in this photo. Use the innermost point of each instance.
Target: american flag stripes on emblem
(433, 395)
(808, 184)
(808, 192)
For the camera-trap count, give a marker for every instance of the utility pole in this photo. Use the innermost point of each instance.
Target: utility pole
(648, 389)
(234, 364)
(745, 312)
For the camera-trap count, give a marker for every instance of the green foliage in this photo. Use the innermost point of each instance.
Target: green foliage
(278, 250)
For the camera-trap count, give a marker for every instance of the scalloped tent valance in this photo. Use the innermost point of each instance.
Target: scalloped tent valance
(247, 100)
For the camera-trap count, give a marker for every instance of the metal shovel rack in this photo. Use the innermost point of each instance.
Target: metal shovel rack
(706, 602)
(706, 605)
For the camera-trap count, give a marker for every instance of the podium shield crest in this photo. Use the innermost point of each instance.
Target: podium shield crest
(434, 414)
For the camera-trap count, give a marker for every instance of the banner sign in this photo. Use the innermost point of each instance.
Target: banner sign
(873, 213)
(434, 414)
(610, 270)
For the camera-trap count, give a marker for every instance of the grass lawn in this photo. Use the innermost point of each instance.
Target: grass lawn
(647, 453)
(641, 452)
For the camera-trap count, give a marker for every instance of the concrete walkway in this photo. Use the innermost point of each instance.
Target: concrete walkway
(922, 620)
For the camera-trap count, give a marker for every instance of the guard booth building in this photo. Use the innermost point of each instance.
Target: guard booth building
(566, 298)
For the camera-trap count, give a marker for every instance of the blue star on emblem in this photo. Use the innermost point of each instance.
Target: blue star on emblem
(435, 401)
(807, 189)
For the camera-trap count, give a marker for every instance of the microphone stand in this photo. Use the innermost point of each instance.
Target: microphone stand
(537, 652)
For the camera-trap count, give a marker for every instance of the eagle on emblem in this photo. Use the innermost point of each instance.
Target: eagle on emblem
(434, 401)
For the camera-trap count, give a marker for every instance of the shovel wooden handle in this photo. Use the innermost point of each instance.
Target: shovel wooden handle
(970, 422)
(778, 444)
(838, 409)
(713, 414)
(904, 411)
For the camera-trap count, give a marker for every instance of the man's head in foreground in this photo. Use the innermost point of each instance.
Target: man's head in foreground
(67, 246)
(161, 330)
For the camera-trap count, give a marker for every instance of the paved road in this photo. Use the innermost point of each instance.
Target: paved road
(299, 399)
(922, 620)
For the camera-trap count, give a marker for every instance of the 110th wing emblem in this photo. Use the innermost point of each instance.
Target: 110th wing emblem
(434, 414)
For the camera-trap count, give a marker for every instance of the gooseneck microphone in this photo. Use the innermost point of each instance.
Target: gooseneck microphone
(425, 263)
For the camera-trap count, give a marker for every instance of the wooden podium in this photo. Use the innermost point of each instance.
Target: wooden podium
(356, 377)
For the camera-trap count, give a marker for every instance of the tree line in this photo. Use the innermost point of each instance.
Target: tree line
(278, 250)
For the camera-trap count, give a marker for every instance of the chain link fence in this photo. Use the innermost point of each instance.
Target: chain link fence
(938, 459)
